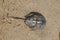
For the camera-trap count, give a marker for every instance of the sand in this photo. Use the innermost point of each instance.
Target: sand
(13, 29)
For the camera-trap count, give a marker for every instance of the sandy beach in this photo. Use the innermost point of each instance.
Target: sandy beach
(16, 29)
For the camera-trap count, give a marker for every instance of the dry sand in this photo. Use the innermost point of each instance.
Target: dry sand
(13, 29)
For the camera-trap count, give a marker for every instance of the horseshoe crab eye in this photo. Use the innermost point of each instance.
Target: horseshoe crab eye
(35, 20)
